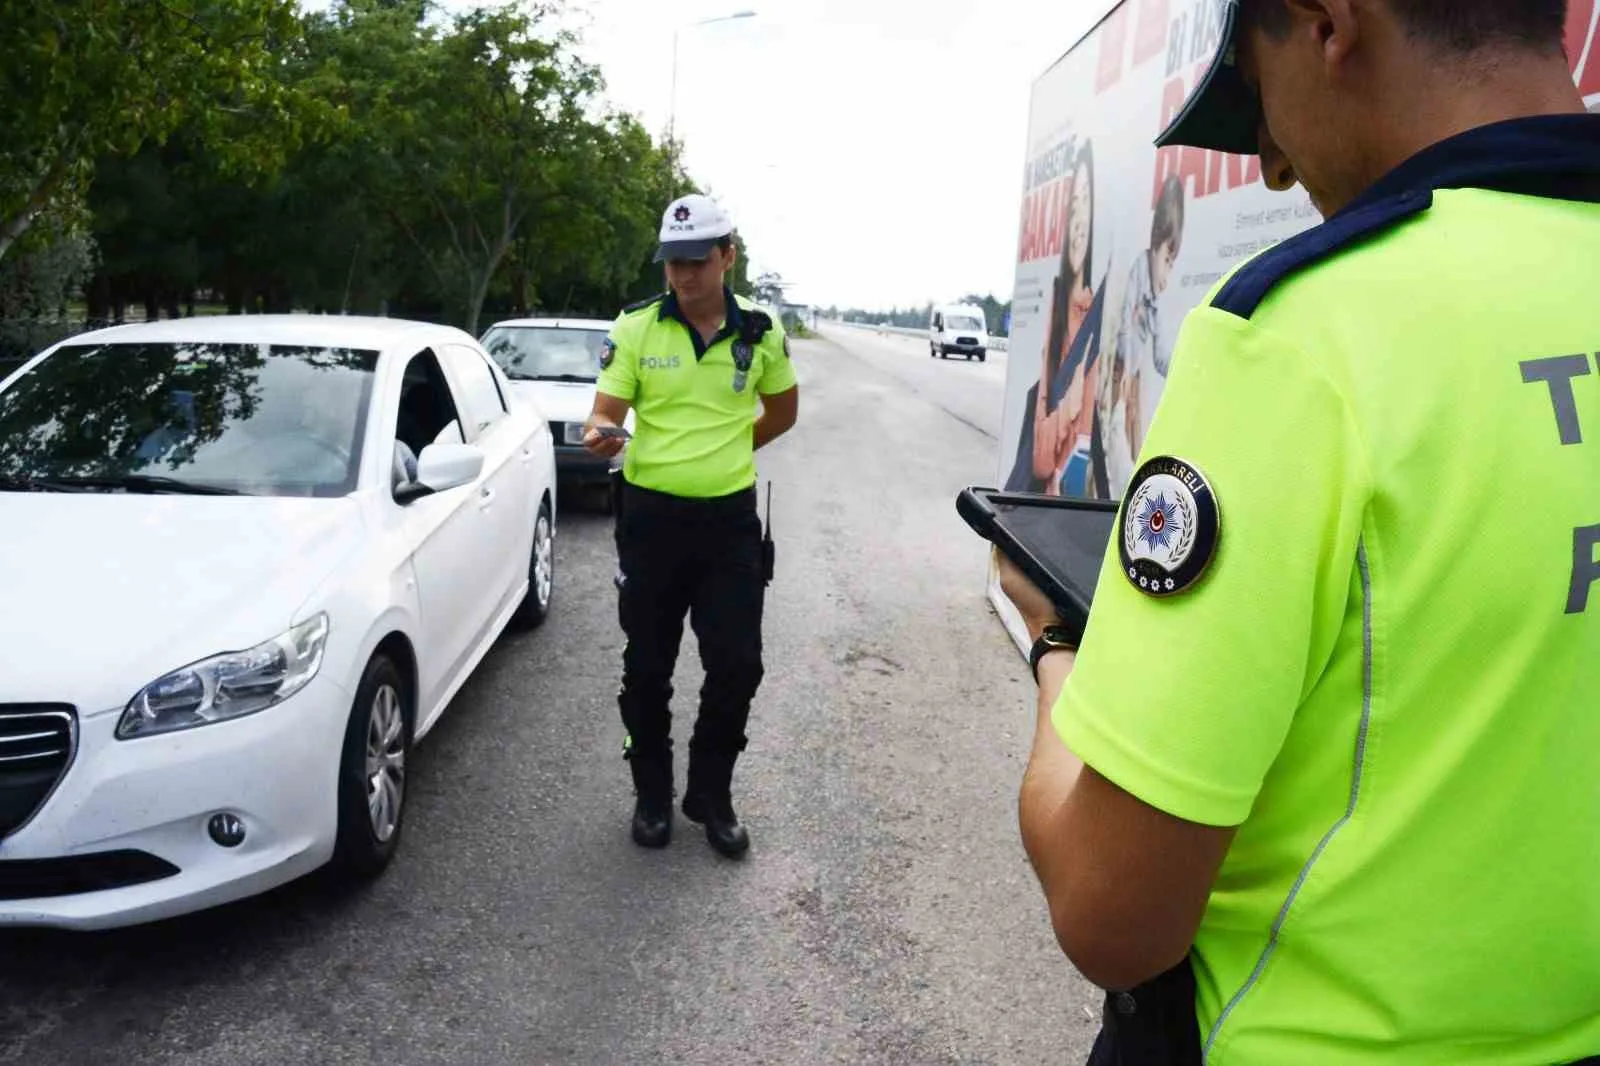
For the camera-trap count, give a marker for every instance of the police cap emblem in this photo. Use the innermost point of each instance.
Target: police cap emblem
(608, 352)
(1170, 527)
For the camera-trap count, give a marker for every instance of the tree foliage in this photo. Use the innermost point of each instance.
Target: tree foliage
(378, 156)
(86, 78)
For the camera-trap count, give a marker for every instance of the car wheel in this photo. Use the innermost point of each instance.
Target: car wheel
(535, 606)
(372, 773)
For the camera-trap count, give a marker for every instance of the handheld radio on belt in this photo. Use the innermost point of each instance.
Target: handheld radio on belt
(1151, 1025)
(751, 330)
(1155, 1024)
(768, 550)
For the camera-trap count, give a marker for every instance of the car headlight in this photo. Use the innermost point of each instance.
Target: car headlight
(228, 686)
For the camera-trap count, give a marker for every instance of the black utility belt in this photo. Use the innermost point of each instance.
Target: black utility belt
(734, 503)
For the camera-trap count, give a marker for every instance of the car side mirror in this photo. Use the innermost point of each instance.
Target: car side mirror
(440, 468)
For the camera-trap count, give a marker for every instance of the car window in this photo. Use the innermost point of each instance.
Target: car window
(480, 393)
(964, 322)
(546, 353)
(267, 420)
(427, 409)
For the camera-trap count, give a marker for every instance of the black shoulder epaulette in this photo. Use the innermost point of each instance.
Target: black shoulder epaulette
(756, 324)
(1244, 292)
(642, 304)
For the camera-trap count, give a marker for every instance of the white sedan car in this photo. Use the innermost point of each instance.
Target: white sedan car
(246, 564)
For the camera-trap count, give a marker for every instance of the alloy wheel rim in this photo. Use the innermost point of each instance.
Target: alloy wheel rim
(386, 762)
(543, 561)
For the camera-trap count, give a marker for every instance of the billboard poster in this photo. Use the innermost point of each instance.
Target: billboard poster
(1118, 241)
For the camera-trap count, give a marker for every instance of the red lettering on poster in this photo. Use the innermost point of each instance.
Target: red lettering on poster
(1113, 37)
(1583, 45)
(1203, 172)
(1172, 97)
(1058, 216)
(1035, 227)
(1044, 221)
(1150, 39)
(1052, 216)
(1250, 164)
(1041, 223)
(1025, 247)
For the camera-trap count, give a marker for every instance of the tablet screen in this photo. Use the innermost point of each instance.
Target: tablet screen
(1070, 543)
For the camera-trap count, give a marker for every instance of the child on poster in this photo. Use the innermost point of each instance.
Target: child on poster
(1139, 363)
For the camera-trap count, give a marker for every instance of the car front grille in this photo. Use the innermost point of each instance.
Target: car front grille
(37, 742)
(967, 340)
(80, 874)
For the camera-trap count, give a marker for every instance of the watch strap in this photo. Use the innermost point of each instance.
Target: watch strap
(1054, 638)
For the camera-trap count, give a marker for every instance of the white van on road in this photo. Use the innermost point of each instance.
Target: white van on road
(958, 329)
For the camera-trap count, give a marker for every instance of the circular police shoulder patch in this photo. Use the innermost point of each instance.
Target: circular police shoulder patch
(1170, 527)
(608, 352)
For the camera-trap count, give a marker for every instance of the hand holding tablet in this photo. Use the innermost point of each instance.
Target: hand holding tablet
(1058, 543)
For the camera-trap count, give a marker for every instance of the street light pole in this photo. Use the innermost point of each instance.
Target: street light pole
(672, 106)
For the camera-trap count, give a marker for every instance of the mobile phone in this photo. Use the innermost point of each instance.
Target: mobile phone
(613, 431)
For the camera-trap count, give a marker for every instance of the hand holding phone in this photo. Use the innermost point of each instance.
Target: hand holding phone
(606, 440)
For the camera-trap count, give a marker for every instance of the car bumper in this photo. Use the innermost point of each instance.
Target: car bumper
(277, 771)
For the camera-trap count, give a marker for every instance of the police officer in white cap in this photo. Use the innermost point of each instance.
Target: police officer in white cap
(708, 376)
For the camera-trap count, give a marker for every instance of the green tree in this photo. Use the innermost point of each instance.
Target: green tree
(585, 244)
(437, 167)
(488, 126)
(84, 78)
(994, 312)
(769, 288)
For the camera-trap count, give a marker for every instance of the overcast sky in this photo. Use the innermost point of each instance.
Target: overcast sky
(870, 151)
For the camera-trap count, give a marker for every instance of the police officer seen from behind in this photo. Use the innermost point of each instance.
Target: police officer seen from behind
(692, 363)
(1323, 783)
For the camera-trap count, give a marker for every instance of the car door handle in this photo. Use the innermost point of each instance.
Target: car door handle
(485, 499)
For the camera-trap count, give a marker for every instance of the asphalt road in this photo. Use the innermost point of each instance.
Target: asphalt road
(968, 390)
(885, 914)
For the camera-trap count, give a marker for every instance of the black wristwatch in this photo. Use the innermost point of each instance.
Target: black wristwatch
(1054, 638)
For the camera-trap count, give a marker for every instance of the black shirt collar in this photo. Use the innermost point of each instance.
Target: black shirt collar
(733, 320)
(671, 309)
(1546, 155)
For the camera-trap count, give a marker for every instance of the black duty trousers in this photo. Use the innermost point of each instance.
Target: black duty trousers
(700, 558)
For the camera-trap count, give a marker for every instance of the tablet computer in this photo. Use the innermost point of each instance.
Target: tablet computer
(1059, 542)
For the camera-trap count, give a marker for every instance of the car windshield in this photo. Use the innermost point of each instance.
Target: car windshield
(546, 353)
(246, 418)
(962, 322)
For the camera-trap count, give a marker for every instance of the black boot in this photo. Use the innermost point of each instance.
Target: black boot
(709, 801)
(652, 808)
